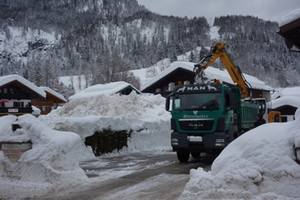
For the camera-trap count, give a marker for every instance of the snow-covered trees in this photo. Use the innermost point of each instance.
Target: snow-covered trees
(102, 41)
(258, 50)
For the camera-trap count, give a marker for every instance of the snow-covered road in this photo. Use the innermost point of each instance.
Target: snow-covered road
(144, 175)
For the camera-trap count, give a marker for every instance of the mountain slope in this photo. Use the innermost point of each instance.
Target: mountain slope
(47, 39)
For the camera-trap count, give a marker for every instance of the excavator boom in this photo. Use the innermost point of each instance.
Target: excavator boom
(218, 51)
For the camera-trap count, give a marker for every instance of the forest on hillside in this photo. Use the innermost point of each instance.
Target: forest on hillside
(104, 39)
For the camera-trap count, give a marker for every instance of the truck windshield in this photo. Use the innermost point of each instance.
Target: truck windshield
(203, 101)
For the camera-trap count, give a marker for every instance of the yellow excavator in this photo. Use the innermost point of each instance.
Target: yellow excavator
(218, 50)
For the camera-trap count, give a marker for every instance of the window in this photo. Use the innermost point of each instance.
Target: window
(18, 104)
(203, 101)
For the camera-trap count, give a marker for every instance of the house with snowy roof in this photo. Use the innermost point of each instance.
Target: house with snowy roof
(119, 87)
(289, 27)
(16, 94)
(286, 101)
(182, 73)
(52, 100)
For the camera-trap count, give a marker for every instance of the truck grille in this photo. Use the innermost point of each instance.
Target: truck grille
(196, 124)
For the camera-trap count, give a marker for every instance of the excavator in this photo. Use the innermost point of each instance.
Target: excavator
(207, 116)
(218, 50)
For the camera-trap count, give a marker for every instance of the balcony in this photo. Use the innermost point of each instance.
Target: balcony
(42, 103)
(15, 111)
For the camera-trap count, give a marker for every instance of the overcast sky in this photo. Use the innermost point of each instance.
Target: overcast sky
(273, 10)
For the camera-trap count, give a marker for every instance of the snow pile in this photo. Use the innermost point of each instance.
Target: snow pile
(51, 159)
(258, 165)
(144, 115)
(147, 107)
(52, 165)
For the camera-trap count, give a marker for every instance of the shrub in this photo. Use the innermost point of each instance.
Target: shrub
(107, 140)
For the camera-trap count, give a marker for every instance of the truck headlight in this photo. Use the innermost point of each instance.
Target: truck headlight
(220, 142)
(174, 141)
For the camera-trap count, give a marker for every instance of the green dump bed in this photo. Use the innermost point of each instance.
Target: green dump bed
(247, 114)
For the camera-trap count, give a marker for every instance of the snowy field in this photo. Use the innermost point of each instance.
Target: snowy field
(258, 165)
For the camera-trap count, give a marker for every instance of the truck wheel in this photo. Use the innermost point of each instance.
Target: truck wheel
(183, 155)
(195, 154)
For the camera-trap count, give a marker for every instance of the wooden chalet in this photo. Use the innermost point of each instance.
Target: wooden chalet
(290, 31)
(182, 73)
(50, 102)
(16, 94)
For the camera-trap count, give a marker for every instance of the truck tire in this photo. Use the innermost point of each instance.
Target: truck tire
(183, 155)
(195, 154)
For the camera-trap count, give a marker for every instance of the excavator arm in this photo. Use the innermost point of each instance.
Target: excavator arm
(218, 51)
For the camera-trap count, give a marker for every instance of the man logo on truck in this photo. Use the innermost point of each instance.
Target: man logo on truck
(197, 88)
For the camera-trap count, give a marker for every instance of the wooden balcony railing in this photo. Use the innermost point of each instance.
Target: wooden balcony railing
(42, 103)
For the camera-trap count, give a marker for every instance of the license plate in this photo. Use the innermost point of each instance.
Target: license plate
(195, 139)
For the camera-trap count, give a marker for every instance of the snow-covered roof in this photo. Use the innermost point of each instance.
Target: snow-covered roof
(295, 14)
(10, 78)
(108, 88)
(210, 72)
(49, 90)
(285, 97)
(291, 91)
(285, 101)
(283, 92)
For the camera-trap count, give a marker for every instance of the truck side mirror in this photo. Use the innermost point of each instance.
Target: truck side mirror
(168, 103)
(232, 100)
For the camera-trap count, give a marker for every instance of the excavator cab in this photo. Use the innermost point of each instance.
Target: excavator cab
(274, 116)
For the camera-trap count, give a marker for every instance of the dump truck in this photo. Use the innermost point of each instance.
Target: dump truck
(207, 116)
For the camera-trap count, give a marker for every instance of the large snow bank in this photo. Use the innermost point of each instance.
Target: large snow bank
(53, 154)
(143, 114)
(258, 165)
